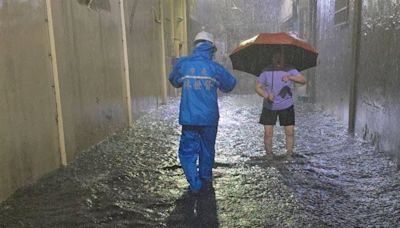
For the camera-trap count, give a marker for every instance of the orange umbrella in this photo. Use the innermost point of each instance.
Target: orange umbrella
(253, 55)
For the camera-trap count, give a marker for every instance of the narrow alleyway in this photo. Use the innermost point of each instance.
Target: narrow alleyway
(134, 179)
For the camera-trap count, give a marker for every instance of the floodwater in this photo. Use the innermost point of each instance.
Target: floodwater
(133, 179)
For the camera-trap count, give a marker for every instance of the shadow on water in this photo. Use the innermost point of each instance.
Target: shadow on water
(195, 211)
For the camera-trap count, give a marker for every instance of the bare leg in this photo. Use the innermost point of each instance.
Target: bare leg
(289, 132)
(268, 133)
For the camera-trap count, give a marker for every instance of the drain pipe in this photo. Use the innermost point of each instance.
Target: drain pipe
(126, 78)
(163, 66)
(172, 40)
(53, 54)
(356, 39)
(184, 29)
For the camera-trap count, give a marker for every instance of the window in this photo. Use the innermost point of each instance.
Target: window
(341, 12)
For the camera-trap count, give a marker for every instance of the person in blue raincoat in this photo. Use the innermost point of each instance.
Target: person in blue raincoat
(200, 78)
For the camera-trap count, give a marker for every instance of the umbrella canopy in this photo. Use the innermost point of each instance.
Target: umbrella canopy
(253, 55)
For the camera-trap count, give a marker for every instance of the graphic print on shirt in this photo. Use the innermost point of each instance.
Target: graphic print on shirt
(285, 91)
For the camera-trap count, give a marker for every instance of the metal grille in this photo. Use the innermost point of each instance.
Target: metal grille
(341, 12)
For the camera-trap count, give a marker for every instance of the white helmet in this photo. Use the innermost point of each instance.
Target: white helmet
(203, 36)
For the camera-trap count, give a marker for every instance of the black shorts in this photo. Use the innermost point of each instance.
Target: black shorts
(269, 117)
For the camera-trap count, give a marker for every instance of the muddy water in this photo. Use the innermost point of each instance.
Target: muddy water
(133, 179)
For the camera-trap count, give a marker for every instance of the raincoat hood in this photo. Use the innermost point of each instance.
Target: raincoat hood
(204, 49)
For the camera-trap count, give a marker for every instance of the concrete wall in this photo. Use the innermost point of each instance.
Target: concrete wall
(376, 72)
(28, 128)
(63, 82)
(147, 24)
(144, 45)
(378, 103)
(90, 63)
(333, 73)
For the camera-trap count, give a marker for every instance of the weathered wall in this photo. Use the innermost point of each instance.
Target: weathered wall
(92, 96)
(144, 45)
(377, 107)
(378, 103)
(148, 23)
(333, 73)
(28, 128)
(89, 57)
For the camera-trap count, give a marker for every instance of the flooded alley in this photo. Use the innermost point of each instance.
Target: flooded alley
(90, 96)
(134, 179)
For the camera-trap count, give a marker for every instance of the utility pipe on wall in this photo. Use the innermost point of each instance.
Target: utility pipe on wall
(177, 22)
(60, 121)
(172, 24)
(184, 29)
(126, 65)
(163, 66)
(356, 39)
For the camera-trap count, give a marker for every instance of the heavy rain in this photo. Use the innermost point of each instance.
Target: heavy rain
(341, 175)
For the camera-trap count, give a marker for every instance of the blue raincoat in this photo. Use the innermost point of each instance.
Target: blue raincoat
(200, 78)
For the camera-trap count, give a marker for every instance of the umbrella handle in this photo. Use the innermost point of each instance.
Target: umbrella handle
(272, 84)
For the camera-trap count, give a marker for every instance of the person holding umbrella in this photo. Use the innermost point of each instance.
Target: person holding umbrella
(275, 85)
(200, 78)
(276, 59)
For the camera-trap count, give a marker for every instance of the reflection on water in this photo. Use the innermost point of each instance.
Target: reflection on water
(133, 179)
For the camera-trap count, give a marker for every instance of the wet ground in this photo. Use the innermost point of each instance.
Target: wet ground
(133, 179)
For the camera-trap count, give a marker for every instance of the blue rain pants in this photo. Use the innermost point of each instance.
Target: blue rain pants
(197, 144)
